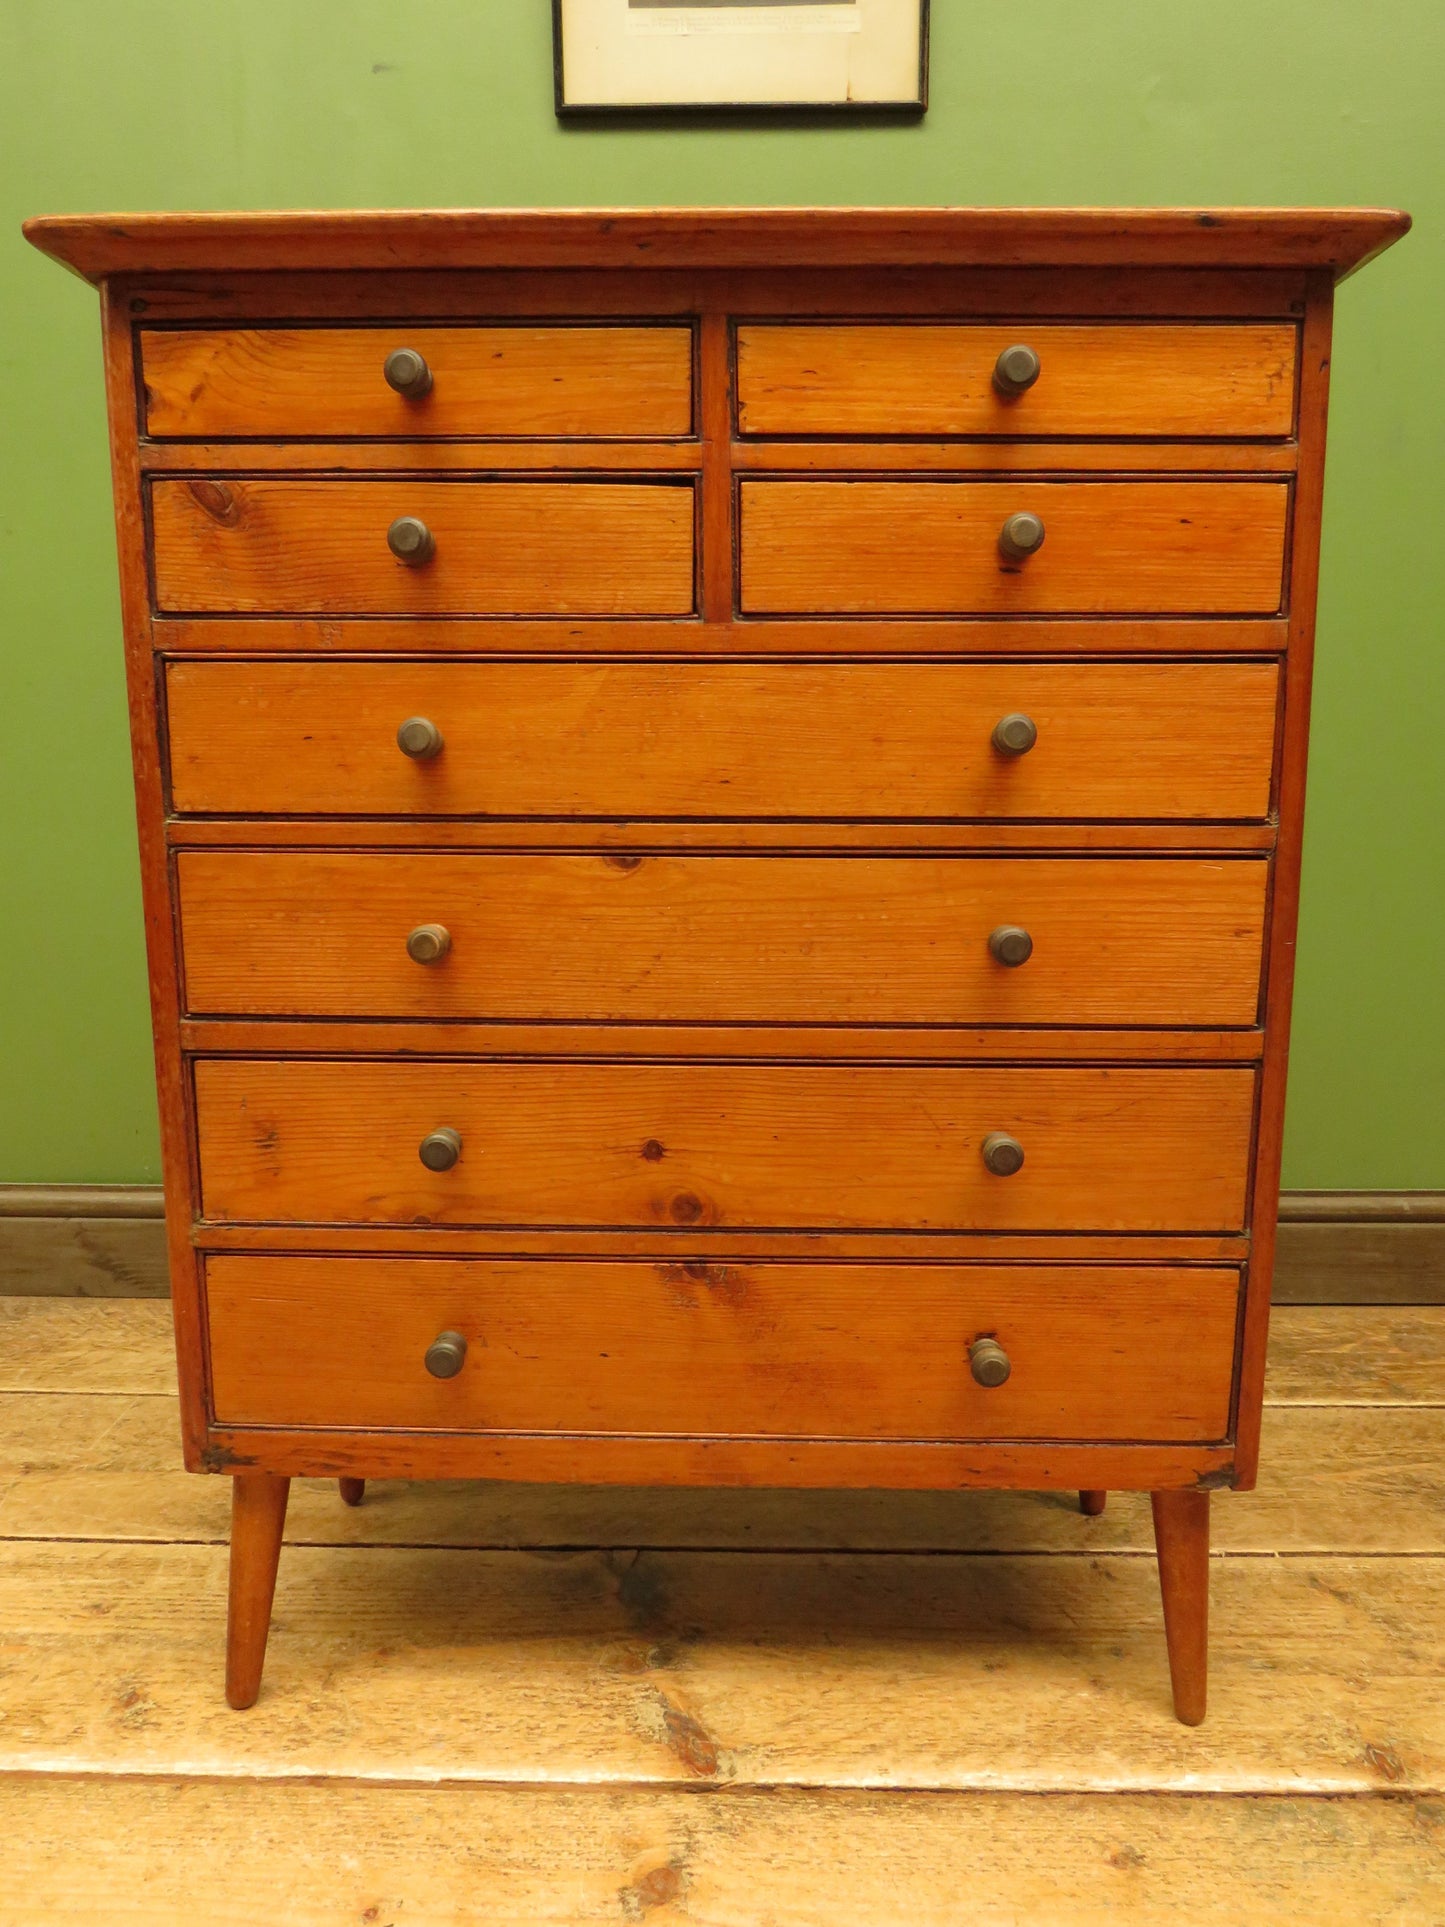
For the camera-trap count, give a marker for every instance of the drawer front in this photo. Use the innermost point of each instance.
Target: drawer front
(501, 548)
(932, 548)
(747, 1146)
(728, 939)
(901, 740)
(832, 1351)
(1226, 379)
(215, 383)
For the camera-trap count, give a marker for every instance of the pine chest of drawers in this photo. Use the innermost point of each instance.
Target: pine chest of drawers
(720, 799)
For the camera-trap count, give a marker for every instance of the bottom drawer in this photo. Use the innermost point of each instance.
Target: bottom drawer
(868, 1351)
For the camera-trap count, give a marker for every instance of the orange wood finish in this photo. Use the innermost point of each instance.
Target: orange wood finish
(659, 740)
(724, 939)
(1181, 1538)
(258, 1518)
(1079, 638)
(741, 1349)
(502, 548)
(931, 548)
(318, 382)
(932, 379)
(662, 1146)
(386, 240)
(718, 624)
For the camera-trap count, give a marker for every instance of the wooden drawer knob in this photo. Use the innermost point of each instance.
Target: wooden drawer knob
(1020, 537)
(1016, 370)
(1015, 734)
(419, 738)
(989, 1362)
(412, 542)
(1002, 1154)
(406, 371)
(429, 943)
(1011, 944)
(446, 1355)
(440, 1149)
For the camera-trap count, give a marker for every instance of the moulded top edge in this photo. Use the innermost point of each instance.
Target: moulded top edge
(1337, 239)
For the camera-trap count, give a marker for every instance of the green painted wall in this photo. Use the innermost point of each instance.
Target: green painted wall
(372, 103)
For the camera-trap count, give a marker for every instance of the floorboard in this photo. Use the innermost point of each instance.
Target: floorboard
(1334, 1479)
(1020, 1672)
(500, 1704)
(174, 1853)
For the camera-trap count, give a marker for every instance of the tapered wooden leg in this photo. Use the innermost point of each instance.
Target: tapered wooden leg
(352, 1490)
(1181, 1539)
(258, 1516)
(1092, 1503)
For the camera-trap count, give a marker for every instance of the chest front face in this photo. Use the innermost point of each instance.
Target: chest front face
(727, 837)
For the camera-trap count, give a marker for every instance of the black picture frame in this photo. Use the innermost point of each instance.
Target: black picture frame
(691, 110)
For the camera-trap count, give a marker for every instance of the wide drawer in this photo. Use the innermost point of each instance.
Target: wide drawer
(661, 740)
(217, 383)
(1100, 379)
(724, 939)
(746, 1146)
(761, 1350)
(501, 548)
(932, 548)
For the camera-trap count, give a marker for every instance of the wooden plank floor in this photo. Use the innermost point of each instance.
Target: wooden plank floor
(506, 1704)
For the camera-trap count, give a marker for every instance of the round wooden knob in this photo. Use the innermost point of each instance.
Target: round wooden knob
(406, 371)
(419, 738)
(1020, 537)
(440, 1149)
(1002, 1154)
(1015, 734)
(428, 943)
(412, 542)
(446, 1354)
(989, 1362)
(1016, 370)
(1011, 945)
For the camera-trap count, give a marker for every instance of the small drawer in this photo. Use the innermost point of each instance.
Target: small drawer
(502, 382)
(403, 547)
(938, 548)
(1171, 742)
(802, 1146)
(882, 1351)
(723, 939)
(1098, 379)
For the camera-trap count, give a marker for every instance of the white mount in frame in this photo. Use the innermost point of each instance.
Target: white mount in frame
(626, 56)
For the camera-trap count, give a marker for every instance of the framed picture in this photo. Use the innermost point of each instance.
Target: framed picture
(635, 56)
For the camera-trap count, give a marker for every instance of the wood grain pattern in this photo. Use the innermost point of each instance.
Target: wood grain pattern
(162, 945)
(502, 548)
(165, 1852)
(790, 836)
(418, 635)
(86, 1345)
(400, 457)
(96, 245)
(937, 379)
(313, 1037)
(714, 1244)
(724, 939)
(662, 740)
(1315, 352)
(533, 381)
(708, 1145)
(700, 1669)
(1338, 1479)
(449, 294)
(867, 1351)
(921, 548)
